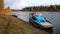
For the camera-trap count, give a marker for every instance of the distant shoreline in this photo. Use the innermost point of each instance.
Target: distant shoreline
(36, 11)
(52, 8)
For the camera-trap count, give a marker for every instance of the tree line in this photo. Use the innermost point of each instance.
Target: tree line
(42, 8)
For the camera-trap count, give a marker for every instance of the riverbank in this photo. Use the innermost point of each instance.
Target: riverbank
(12, 25)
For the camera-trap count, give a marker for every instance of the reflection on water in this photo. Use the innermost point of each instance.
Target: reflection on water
(22, 15)
(53, 17)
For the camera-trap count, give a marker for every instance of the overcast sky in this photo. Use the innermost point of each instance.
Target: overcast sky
(19, 4)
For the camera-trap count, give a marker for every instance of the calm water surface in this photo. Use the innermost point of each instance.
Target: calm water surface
(53, 17)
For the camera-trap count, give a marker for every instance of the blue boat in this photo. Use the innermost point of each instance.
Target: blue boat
(40, 21)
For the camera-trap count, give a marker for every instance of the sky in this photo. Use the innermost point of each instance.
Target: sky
(19, 4)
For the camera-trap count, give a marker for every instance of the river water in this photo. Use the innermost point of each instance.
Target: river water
(53, 17)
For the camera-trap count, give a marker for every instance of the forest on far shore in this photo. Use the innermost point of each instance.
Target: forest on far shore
(42, 8)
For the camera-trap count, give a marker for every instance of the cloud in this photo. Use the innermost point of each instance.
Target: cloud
(19, 4)
(14, 4)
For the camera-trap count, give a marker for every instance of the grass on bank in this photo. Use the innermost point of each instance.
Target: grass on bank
(11, 25)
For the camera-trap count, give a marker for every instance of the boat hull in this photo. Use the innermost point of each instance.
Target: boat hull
(34, 23)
